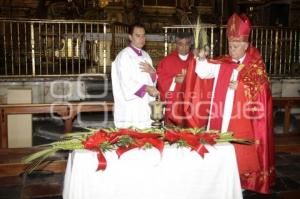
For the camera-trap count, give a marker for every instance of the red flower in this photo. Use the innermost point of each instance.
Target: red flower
(93, 142)
(171, 136)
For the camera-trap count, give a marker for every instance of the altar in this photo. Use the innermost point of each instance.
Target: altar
(178, 173)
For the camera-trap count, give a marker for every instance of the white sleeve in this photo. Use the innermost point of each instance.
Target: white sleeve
(173, 84)
(206, 70)
(128, 78)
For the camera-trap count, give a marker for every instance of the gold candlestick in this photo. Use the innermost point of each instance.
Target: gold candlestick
(157, 113)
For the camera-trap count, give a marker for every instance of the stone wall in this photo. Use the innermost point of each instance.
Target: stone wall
(60, 90)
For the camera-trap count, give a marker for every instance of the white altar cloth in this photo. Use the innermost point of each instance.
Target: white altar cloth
(144, 174)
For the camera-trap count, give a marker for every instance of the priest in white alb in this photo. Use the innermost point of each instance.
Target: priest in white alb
(133, 81)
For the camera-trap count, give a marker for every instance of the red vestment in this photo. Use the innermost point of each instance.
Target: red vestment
(197, 95)
(251, 117)
(167, 70)
(253, 94)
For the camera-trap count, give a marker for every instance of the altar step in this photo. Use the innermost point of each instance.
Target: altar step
(34, 186)
(45, 183)
(290, 194)
(288, 143)
(41, 184)
(11, 162)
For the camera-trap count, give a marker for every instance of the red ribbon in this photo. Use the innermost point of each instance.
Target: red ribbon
(138, 143)
(195, 141)
(101, 161)
(93, 143)
(140, 139)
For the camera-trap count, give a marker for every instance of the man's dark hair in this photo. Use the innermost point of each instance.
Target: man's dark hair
(184, 35)
(135, 25)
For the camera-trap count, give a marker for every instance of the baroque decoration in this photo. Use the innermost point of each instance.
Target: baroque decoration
(103, 3)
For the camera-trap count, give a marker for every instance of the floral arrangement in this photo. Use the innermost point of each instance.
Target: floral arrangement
(122, 140)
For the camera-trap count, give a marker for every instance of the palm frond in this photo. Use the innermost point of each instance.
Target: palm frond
(200, 35)
(39, 154)
(35, 163)
(196, 33)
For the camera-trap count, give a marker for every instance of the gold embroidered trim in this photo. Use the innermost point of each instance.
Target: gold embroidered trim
(262, 175)
(254, 77)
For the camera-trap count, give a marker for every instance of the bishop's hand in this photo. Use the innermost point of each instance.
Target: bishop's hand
(201, 53)
(233, 85)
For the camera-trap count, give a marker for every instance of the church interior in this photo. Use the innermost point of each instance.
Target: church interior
(55, 65)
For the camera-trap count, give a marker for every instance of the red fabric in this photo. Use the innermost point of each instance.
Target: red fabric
(263, 133)
(167, 69)
(251, 118)
(256, 171)
(226, 69)
(238, 28)
(254, 93)
(247, 157)
(197, 96)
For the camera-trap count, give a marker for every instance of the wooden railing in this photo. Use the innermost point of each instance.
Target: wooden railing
(287, 103)
(67, 111)
(287, 141)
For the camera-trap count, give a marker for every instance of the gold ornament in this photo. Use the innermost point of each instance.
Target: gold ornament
(103, 3)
